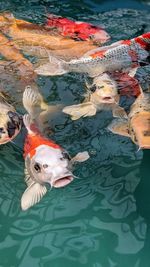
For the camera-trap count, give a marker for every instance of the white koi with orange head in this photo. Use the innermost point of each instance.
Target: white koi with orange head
(46, 163)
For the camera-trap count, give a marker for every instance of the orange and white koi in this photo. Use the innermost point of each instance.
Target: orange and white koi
(46, 163)
(122, 55)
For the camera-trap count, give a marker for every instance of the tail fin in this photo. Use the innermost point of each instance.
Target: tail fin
(33, 102)
(53, 67)
(144, 40)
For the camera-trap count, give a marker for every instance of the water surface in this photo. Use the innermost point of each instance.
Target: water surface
(103, 219)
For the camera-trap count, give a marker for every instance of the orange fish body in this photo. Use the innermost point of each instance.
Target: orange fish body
(77, 30)
(25, 35)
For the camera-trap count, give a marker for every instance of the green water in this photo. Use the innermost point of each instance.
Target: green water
(103, 219)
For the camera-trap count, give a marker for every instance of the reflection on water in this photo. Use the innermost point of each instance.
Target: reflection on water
(92, 222)
(102, 218)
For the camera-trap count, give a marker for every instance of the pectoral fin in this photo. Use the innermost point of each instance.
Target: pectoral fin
(81, 157)
(32, 195)
(81, 110)
(119, 126)
(119, 112)
(28, 178)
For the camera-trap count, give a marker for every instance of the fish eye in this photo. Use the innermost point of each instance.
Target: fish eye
(93, 88)
(2, 130)
(100, 86)
(37, 167)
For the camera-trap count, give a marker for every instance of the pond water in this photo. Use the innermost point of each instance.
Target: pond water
(102, 219)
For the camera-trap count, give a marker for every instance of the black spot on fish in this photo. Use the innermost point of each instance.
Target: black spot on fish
(93, 27)
(11, 129)
(15, 118)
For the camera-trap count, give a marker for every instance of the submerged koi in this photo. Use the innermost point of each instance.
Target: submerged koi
(77, 30)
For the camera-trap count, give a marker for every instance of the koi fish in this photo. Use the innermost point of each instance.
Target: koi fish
(137, 126)
(10, 51)
(33, 38)
(77, 30)
(10, 121)
(103, 95)
(45, 163)
(122, 55)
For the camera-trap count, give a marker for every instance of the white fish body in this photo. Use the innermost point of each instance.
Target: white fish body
(118, 56)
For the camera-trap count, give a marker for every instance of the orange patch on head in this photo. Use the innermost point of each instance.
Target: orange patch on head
(34, 141)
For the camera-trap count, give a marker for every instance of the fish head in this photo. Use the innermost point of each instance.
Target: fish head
(99, 35)
(10, 126)
(50, 165)
(89, 31)
(140, 129)
(105, 90)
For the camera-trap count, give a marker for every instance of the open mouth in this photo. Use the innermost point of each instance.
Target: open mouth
(101, 37)
(61, 182)
(107, 99)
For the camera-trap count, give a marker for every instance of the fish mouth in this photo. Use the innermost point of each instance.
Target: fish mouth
(63, 181)
(145, 147)
(144, 140)
(101, 37)
(108, 99)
